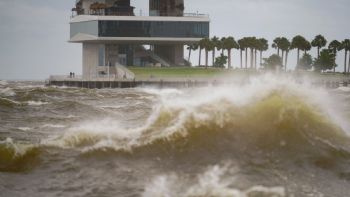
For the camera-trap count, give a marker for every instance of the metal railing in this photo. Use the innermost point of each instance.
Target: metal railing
(196, 15)
(139, 13)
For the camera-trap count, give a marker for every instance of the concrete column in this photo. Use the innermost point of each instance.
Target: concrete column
(179, 55)
(112, 54)
(90, 60)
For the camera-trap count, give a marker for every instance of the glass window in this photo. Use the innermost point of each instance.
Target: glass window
(174, 29)
(89, 27)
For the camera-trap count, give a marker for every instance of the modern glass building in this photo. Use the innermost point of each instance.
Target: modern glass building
(111, 34)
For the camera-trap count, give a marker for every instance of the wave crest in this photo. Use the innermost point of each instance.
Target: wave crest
(264, 115)
(17, 157)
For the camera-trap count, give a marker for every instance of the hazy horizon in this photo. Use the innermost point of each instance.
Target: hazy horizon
(34, 33)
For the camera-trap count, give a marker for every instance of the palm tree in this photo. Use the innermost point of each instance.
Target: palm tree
(242, 47)
(348, 44)
(276, 44)
(298, 42)
(335, 46)
(262, 45)
(222, 40)
(245, 44)
(190, 48)
(229, 43)
(251, 43)
(345, 45)
(256, 48)
(216, 42)
(208, 46)
(319, 41)
(255, 52)
(306, 46)
(284, 46)
(201, 45)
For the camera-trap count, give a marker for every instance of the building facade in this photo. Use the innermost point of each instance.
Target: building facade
(112, 35)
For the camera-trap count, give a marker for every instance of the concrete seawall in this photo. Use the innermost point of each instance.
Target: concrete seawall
(133, 84)
(171, 83)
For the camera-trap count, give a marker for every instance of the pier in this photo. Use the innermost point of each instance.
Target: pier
(327, 81)
(157, 83)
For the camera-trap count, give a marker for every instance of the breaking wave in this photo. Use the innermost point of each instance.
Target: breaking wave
(268, 115)
(5, 102)
(212, 182)
(17, 157)
(7, 92)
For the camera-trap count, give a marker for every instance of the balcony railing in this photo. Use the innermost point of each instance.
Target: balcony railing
(196, 15)
(103, 12)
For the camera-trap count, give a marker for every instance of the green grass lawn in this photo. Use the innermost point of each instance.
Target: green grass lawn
(176, 72)
(200, 72)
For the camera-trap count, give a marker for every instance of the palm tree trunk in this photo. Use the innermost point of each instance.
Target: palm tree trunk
(260, 58)
(200, 56)
(285, 64)
(251, 58)
(213, 57)
(206, 58)
(335, 52)
(298, 55)
(246, 58)
(189, 55)
(349, 65)
(346, 55)
(255, 59)
(229, 58)
(318, 52)
(241, 51)
(282, 58)
(278, 51)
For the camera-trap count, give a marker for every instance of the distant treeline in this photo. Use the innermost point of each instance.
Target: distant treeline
(325, 60)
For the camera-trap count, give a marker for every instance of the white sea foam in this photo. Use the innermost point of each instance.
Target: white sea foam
(213, 182)
(7, 92)
(344, 89)
(72, 116)
(112, 106)
(162, 92)
(30, 86)
(24, 128)
(36, 103)
(53, 126)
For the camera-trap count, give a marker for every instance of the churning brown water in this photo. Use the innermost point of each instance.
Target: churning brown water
(269, 137)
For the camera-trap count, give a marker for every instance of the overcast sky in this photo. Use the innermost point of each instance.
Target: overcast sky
(34, 33)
